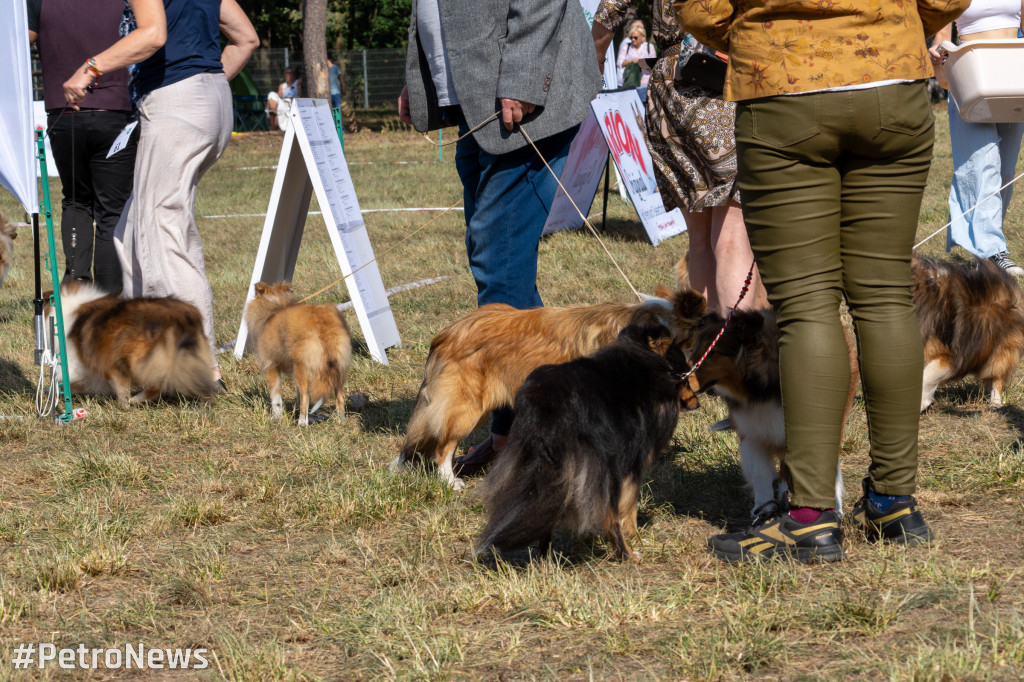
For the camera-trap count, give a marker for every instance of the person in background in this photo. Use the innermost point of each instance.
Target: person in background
(186, 115)
(984, 154)
(95, 183)
(624, 45)
(540, 76)
(634, 58)
(289, 88)
(834, 148)
(338, 90)
(690, 137)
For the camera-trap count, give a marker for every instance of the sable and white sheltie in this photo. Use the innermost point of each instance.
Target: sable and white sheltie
(972, 322)
(477, 363)
(7, 234)
(114, 343)
(743, 368)
(583, 435)
(310, 341)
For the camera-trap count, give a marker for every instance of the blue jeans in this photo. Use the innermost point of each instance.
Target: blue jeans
(984, 159)
(507, 198)
(335, 100)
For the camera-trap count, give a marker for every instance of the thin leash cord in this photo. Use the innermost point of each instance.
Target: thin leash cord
(462, 137)
(585, 221)
(728, 318)
(384, 253)
(969, 210)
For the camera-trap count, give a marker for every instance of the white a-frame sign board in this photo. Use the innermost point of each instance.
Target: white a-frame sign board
(312, 161)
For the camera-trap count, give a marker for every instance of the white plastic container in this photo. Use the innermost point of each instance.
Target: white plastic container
(986, 79)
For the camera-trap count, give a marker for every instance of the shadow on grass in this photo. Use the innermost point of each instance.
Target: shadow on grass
(713, 491)
(616, 228)
(13, 380)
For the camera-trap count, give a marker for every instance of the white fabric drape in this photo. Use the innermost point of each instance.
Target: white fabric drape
(17, 143)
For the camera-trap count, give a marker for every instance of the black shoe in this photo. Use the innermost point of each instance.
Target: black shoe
(902, 523)
(783, 536)
(1002, 259)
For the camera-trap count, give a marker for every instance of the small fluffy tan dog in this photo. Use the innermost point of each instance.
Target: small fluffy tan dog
(310, 341)
(114, 343)
(7, 234)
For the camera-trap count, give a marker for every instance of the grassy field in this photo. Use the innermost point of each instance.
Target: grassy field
(295, 554)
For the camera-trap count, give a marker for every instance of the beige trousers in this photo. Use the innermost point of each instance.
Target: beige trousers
(185, 127)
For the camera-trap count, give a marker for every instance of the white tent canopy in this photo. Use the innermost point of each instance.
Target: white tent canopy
(17, 144)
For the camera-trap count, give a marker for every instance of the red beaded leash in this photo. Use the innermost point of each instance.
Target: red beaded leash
(743, 292)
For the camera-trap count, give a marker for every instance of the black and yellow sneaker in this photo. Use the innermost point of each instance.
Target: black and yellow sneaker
(783, 536)
(901, 523)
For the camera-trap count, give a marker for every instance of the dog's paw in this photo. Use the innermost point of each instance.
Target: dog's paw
(458, 485)
(398, 464)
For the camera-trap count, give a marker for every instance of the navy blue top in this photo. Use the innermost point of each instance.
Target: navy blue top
(193, 45)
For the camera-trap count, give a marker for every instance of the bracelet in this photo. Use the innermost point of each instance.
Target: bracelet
(91, 65)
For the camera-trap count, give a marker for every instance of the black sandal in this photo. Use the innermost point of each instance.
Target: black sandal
(476, 460)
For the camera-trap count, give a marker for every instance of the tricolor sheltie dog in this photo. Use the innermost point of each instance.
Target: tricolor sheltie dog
(7, 234)
(115, 343)
(972, 322)
(310, 341)
(743, 368)
(583, 434)
(477, 364)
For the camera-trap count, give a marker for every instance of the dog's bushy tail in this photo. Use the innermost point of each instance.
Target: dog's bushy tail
(530, 492)
(524, 500)
(328, 359)
(181, 362)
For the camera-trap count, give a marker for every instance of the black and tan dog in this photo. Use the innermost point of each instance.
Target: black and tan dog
(972, 323)
(584, 433)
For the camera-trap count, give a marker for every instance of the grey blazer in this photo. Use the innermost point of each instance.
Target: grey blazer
(537, 51)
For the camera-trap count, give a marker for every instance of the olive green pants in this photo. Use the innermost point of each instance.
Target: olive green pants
(831, 185)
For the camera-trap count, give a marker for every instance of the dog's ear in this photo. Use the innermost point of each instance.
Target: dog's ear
(687, 304)
(659, 343)
(261, 288)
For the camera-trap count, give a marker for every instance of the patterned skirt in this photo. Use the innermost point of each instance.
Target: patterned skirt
(691, 137)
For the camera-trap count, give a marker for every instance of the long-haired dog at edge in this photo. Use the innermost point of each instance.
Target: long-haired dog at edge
(583, 435)
(7, 235)
(115, 343)
(310, 341)
(972, 323)
(743, 369)
(477, 363)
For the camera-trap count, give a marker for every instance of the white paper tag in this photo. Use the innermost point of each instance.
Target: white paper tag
(122, 139)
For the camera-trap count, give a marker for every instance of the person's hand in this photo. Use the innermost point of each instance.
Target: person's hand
(938, 56)
(76, 87)
(512, 112)
(403, 106)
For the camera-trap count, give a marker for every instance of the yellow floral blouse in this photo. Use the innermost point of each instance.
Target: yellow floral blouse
(777, 47)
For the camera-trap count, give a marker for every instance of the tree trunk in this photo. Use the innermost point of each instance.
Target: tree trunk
(314, 49)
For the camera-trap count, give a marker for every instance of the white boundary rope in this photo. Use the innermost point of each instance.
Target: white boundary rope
(428, 209)
(969, 210)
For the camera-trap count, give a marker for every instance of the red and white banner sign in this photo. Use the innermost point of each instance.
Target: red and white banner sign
(616, 125)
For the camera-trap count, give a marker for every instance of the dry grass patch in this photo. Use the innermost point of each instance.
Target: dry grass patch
(296, 554)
